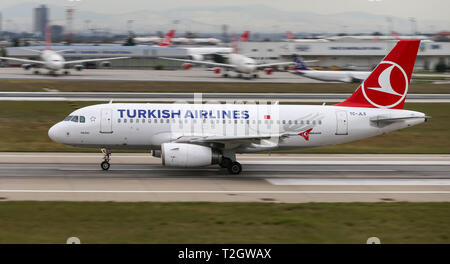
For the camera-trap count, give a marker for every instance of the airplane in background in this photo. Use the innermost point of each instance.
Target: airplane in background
(328, 76)
(196, 41)
(241, 64)
(194, 135)
(199, 53)
(53, 60)
(292, 38)
(179, 40)
(166, 41)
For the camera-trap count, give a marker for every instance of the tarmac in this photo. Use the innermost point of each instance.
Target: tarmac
(193, 75)
(265, 178)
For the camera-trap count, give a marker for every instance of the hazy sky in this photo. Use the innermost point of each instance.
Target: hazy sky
(421, 9)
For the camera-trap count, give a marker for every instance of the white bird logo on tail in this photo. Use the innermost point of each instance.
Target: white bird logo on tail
(384, 80)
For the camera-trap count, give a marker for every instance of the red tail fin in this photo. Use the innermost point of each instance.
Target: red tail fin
(245, 36)
(290, 35)
(48, 38)
(167, 41)
(387, 85)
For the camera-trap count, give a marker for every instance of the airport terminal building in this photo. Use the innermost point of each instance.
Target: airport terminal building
(345, 55)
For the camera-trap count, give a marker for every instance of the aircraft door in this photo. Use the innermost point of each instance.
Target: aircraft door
(341, 123)
(106, 121)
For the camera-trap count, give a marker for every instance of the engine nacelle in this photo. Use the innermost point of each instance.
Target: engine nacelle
(26, 66)
(217, 70)
(78, 67)
(196, 57)
(188, 155)
(187, 66)
(268, 71)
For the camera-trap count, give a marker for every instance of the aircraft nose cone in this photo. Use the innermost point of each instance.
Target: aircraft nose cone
(54, 133)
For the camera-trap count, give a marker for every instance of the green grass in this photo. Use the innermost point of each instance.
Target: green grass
(24, 127)
(198, 87)
(107, 222)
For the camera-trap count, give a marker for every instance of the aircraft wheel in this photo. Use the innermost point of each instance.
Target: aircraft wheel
(226, 162)
(235, 168)
(36, 72)
(225, 75)
(105, 165)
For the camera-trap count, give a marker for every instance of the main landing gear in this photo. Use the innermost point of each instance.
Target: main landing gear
(233, 167)
(105, 164)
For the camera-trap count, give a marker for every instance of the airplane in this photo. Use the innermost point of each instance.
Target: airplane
(196, 41)
(53, 61)
(200, 53)
(292, 38)
(241, 64)
(238, 63)
(166, 41)
(194, 135)
(328, 76)
(180, 40)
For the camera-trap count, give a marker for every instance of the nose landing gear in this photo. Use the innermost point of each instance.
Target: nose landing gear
(105, 164)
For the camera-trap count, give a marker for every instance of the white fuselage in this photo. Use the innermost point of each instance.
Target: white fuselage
(243, 63)
(53, 60)
(147, 126)
(334, 76)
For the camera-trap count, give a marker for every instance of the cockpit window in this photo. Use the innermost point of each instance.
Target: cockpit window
(74, 119)
(68, 118)
(82, 119)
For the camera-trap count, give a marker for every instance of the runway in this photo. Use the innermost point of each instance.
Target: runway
(172, 97)
(274, 178)
(194, 75)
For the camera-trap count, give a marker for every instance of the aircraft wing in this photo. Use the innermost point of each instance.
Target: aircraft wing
(22, 60)
(224, 139)
(214, 64)
(265, 65)
(89, 60)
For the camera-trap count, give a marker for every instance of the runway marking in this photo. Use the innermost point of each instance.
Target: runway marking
(225, 192)
(364, 182)
(203, 169)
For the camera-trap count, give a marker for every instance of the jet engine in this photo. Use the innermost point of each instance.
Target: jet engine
(26, 66)
(196, 57)
(188, 155)
(268, 71)
(78, 67)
